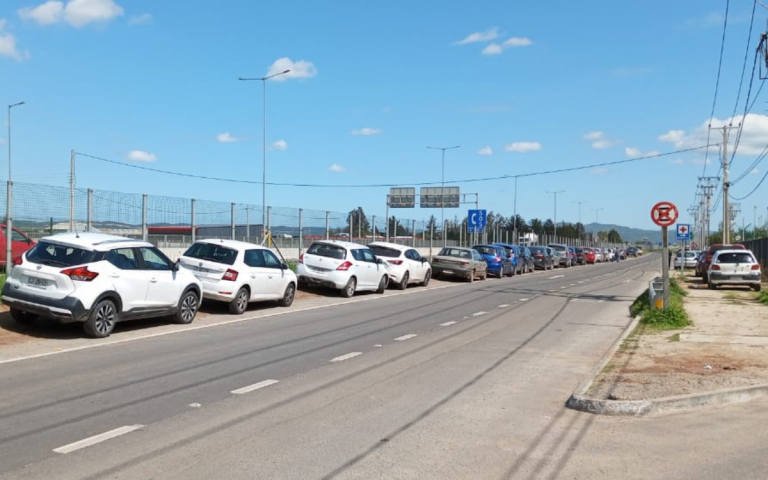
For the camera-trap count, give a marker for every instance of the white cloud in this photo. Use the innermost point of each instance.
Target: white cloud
(77, 13)
(523, 147)
(8, 47)
(754, 135)
(754, 171)
(486, 151)
(599, 171)
(337, 168)
(226, 137)
(366, 132)
(518, 42)
(141, 156)
(600, 140)
(701, 161)
(300, 69)
(485, 36)
(280, 145)
(492, 49)
(677, 161)
(143, 19)
(594, 136)
(632, 152)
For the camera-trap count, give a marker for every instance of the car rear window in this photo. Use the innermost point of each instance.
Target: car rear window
(212, 252)
(486, 250)
(735, 258)
(455, 252)
(56, 255)
(558, 248)
(537, 250)
(326, 250)
(385, 252)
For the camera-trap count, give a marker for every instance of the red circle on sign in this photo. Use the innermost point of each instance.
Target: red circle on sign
(664, 214)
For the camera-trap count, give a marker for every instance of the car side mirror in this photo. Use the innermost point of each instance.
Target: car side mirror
(284, 266)
(380, 261)
(175, 267)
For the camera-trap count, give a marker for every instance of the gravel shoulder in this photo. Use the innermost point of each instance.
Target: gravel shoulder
(725, 347)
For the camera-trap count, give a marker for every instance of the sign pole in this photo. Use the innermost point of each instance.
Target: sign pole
(665, 265)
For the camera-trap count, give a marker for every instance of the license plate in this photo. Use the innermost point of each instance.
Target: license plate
(449, 272)
(37, 282)
(199, 269)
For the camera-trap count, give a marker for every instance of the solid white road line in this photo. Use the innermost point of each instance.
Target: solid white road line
(253, 387)
(523, 300)
(102, 437)
(478, 314)
(448, 324)
(405, 337)
(503, 305)
(556, 276)
(346, 357)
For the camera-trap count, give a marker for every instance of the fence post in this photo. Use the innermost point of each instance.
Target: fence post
(232, 216)
(144, 226)
(71, 194)
(431, 238)
(248, 224)
(373, 227)
(351, 220)
(9, 227)
(301, 232)
(413, 244)
(327, 225)
(192, 219)
(89, 220)
(269, 223)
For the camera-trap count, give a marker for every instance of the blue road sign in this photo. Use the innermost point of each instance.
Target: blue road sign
(476, 221)
(683, 231)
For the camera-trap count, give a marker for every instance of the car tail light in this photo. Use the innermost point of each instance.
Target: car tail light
(538, 255)
(715, 267)
(395, 262)
(18, 260)
(80, 274)
(463, 263)
(301, 258)
(496, 259)
(756, 266)
(230, 275)
(344, 266)
(435, 260)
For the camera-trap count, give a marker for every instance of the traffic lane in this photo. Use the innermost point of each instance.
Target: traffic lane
(463, 402)
(85, 391)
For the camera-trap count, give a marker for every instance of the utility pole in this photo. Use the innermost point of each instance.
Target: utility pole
(707, 191)
(726, 187)
(555, 194)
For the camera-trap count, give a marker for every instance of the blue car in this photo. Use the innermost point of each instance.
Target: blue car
(498, 261)
(515, 253)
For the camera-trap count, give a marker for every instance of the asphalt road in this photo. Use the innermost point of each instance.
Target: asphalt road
(460, 382)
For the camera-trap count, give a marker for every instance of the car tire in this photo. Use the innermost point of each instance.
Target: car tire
(383, 284)
(102, 319)
(21, 317)
(712, 286)
(704, 278)
(501, 273)
(427, 277)
(349, 289)
(288, 296)
(485, 275)
(239, 304)
(472, 277)
(187, 310)
(404, 283)
(757, 288)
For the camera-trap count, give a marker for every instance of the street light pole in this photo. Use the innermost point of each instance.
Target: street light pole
(597, 210)
(442, 188)
(263, 80)
(580, 203)
(9, 201)
(555, 194)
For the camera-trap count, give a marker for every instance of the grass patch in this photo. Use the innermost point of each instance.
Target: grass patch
(2, 282)
(762, 297)
(641, 304)
(674, 338)
(673, 318)
(292, 266)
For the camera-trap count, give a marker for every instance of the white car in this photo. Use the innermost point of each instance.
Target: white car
(344, 266)
(239, 273)
(689, 261)
(99, 280)
(734, 267)
(599, 256)
(406, 265)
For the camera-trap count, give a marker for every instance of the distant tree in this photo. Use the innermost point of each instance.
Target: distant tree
(613, 236)
(549, 227)
(355, 217)
(537, 226)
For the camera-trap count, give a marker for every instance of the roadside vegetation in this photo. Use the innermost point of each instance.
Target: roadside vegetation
(762, 297)
(673, 318)
(2, 282)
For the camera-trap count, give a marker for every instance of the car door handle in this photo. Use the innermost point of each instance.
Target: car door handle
(153, 280)
(270, 276)
(115, 275)
(253, 275)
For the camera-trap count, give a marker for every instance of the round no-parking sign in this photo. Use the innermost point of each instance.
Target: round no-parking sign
(664, 214)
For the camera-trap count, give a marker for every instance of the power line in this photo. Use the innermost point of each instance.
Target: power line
(717, 82)
(753, 190)
(746, 56)
(379, 185)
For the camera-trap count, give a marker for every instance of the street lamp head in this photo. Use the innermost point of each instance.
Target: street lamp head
(287, 71)
(16, 104)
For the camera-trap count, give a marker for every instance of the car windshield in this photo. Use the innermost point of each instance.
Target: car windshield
(537, 250)
(55, 255)
(485, 250)
(212, 252)
(558, 248)
(385, 251)
(455, 252)
(327, 250)
(735, 257)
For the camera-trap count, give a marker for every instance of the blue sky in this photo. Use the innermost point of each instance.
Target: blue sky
(521, 86)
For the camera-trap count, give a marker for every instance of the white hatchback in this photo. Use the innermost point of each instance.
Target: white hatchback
(239, 273)
(734, 267)
(99, 280)
(344, 266)
(406, 265)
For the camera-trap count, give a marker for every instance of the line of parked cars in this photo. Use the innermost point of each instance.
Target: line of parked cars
(99, 279)
(724, 265)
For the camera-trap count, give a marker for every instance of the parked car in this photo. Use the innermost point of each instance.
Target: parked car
(460, 262)
(599, 257)
(589, 255)
(632, 252)
(556, 257)
(527, 259)
(700, 258)
(344, 266)
(577, 255)
(99, 280)
(514, 253)
(686, 259)
(714, 248)
(639, 250)
(734, 267)
(406, 265)
(239, 273)
(607, 255)
(542, 258)
(20, 243)
(564, 254)
(496, 257)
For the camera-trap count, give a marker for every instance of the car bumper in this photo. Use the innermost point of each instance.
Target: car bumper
(65, 310)
(333, 279)
(724, 279)
(450, 271)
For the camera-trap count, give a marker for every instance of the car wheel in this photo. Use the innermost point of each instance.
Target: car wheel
(485, 275)
(712, 286)
(704, 278)
(404, 283)
(501, 273)
(472, 276)
(102, 319)
(427, 277)
(383, 284)
(238, 305)
(757, 288)
(349, 289)
(288, 296)
(24, 318)
(187, 308)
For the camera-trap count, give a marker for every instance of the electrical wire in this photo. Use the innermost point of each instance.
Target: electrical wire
(746, 56)
(717, 83)
(379, 185)
(753, 190)
(761, 4)
(754, 165)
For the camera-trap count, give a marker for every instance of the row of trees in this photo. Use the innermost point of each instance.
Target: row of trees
(495, 222)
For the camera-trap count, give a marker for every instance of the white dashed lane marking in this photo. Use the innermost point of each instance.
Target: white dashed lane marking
(255, 386)
(478, 314)
(405, 337)
(503, 305)
(102, 437)
(448, 324)
(346, 357)
(556, 276)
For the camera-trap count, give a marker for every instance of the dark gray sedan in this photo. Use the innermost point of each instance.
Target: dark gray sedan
(459, 262)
